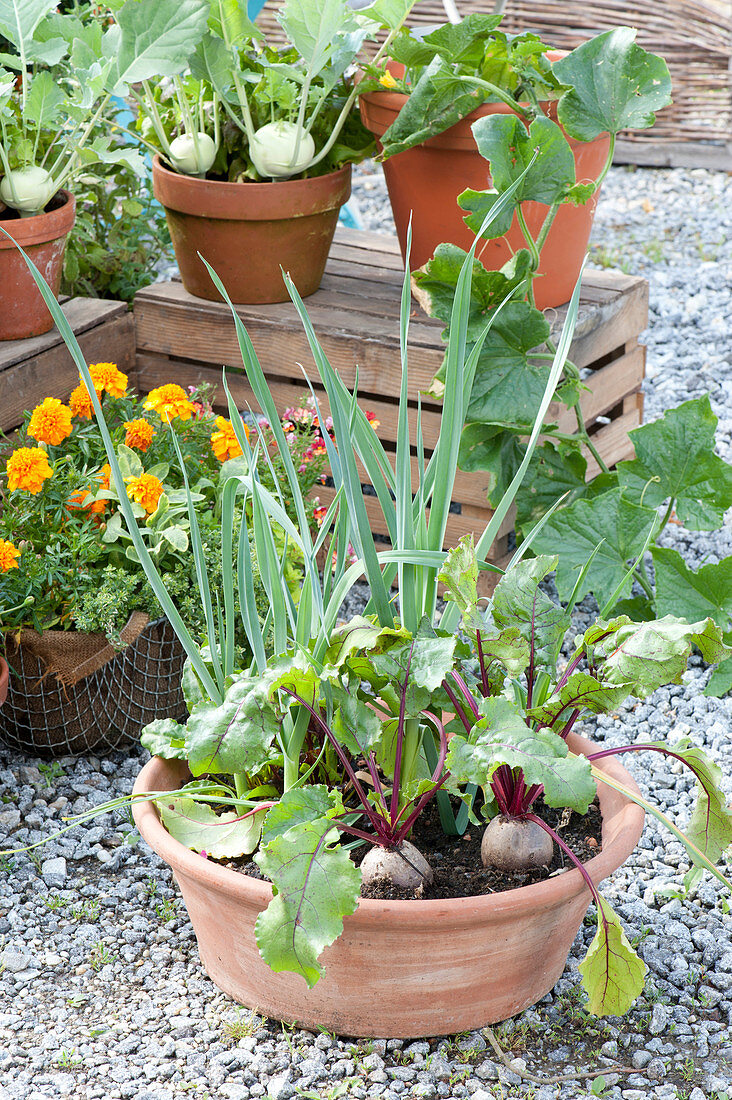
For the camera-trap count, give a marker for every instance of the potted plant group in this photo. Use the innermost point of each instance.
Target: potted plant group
(424, 106)
(338, 734)
(254, 145)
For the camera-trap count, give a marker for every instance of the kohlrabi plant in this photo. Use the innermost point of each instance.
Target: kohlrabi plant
(53, 89)
(239, 109)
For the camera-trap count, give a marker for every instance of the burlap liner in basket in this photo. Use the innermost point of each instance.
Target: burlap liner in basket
(70, 656)
(69, 694)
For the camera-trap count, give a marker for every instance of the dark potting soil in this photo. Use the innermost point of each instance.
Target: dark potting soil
(456, 864)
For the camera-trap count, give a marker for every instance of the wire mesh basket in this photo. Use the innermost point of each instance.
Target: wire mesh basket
(103, 711)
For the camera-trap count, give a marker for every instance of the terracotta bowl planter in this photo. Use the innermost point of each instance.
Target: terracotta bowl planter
(248, 231)
(4, 677)
(23, 312)
(402, 969)
(425, 182)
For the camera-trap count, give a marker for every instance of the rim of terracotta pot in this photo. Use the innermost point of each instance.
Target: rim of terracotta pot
(621, 829)
(284, 199)
(43, 227)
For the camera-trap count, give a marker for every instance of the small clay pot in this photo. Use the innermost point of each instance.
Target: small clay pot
(404, 969)
(425, 182)
(248, 232)
(23, 312)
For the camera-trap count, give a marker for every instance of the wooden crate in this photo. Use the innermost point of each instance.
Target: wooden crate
(41, 366)
(356, 317)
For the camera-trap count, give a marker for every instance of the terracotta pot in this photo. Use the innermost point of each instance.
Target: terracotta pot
(248, 231)
(401, 969)
(4, 677)
(23, 312)
(425, 182)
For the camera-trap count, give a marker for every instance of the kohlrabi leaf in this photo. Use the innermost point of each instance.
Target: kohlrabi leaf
(519, 602)
(437, 279)
(235, 736)
(44, 100)
(612, 973)
(157, 39)
(316, 885)
(692, 595)
(675, 460)
(166, 738)
(19, 19)
(710, 827)
(315, 28)
(509, 148)
(651, 654)
(610, 519)
(388, 12)
(229, 20)
(296, 806)
(501, 736)
(582, 691)
(614, 85)
(222, 836)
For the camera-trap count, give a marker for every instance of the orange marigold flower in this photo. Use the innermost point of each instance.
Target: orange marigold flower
(170, 401)
(80, 402)
(50, 422)
(105, 476)
(27, 469)
(8, 555)
(224, 442)
(107, 377)
(76, 500)
(139, 434)
(146, 490)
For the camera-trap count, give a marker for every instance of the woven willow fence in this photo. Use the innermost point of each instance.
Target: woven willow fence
(694, 36)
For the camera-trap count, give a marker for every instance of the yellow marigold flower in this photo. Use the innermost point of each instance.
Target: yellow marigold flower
(387, 80)
(80, 402)
(50, 422)
(146, 490)
(139, 434)
(105, 476)
(27, 469)
(107, 377)
(170, 401)
(8, 555)
(224, 442)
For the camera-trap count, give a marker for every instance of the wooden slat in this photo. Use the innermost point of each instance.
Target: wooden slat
(81, 313)
(51, 372)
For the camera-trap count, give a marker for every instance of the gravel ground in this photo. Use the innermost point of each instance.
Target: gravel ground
(101, 990)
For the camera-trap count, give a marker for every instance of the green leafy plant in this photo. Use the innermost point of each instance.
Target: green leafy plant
(228, 105)
(275, 748)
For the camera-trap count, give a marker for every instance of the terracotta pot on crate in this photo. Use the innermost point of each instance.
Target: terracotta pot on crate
(424, 183)
(23, 312)
(401, 969)
(249, 231)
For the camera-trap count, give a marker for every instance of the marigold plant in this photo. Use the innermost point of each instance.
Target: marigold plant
(27, 469)
(9, 555)
(224, 442)
(146, 490)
